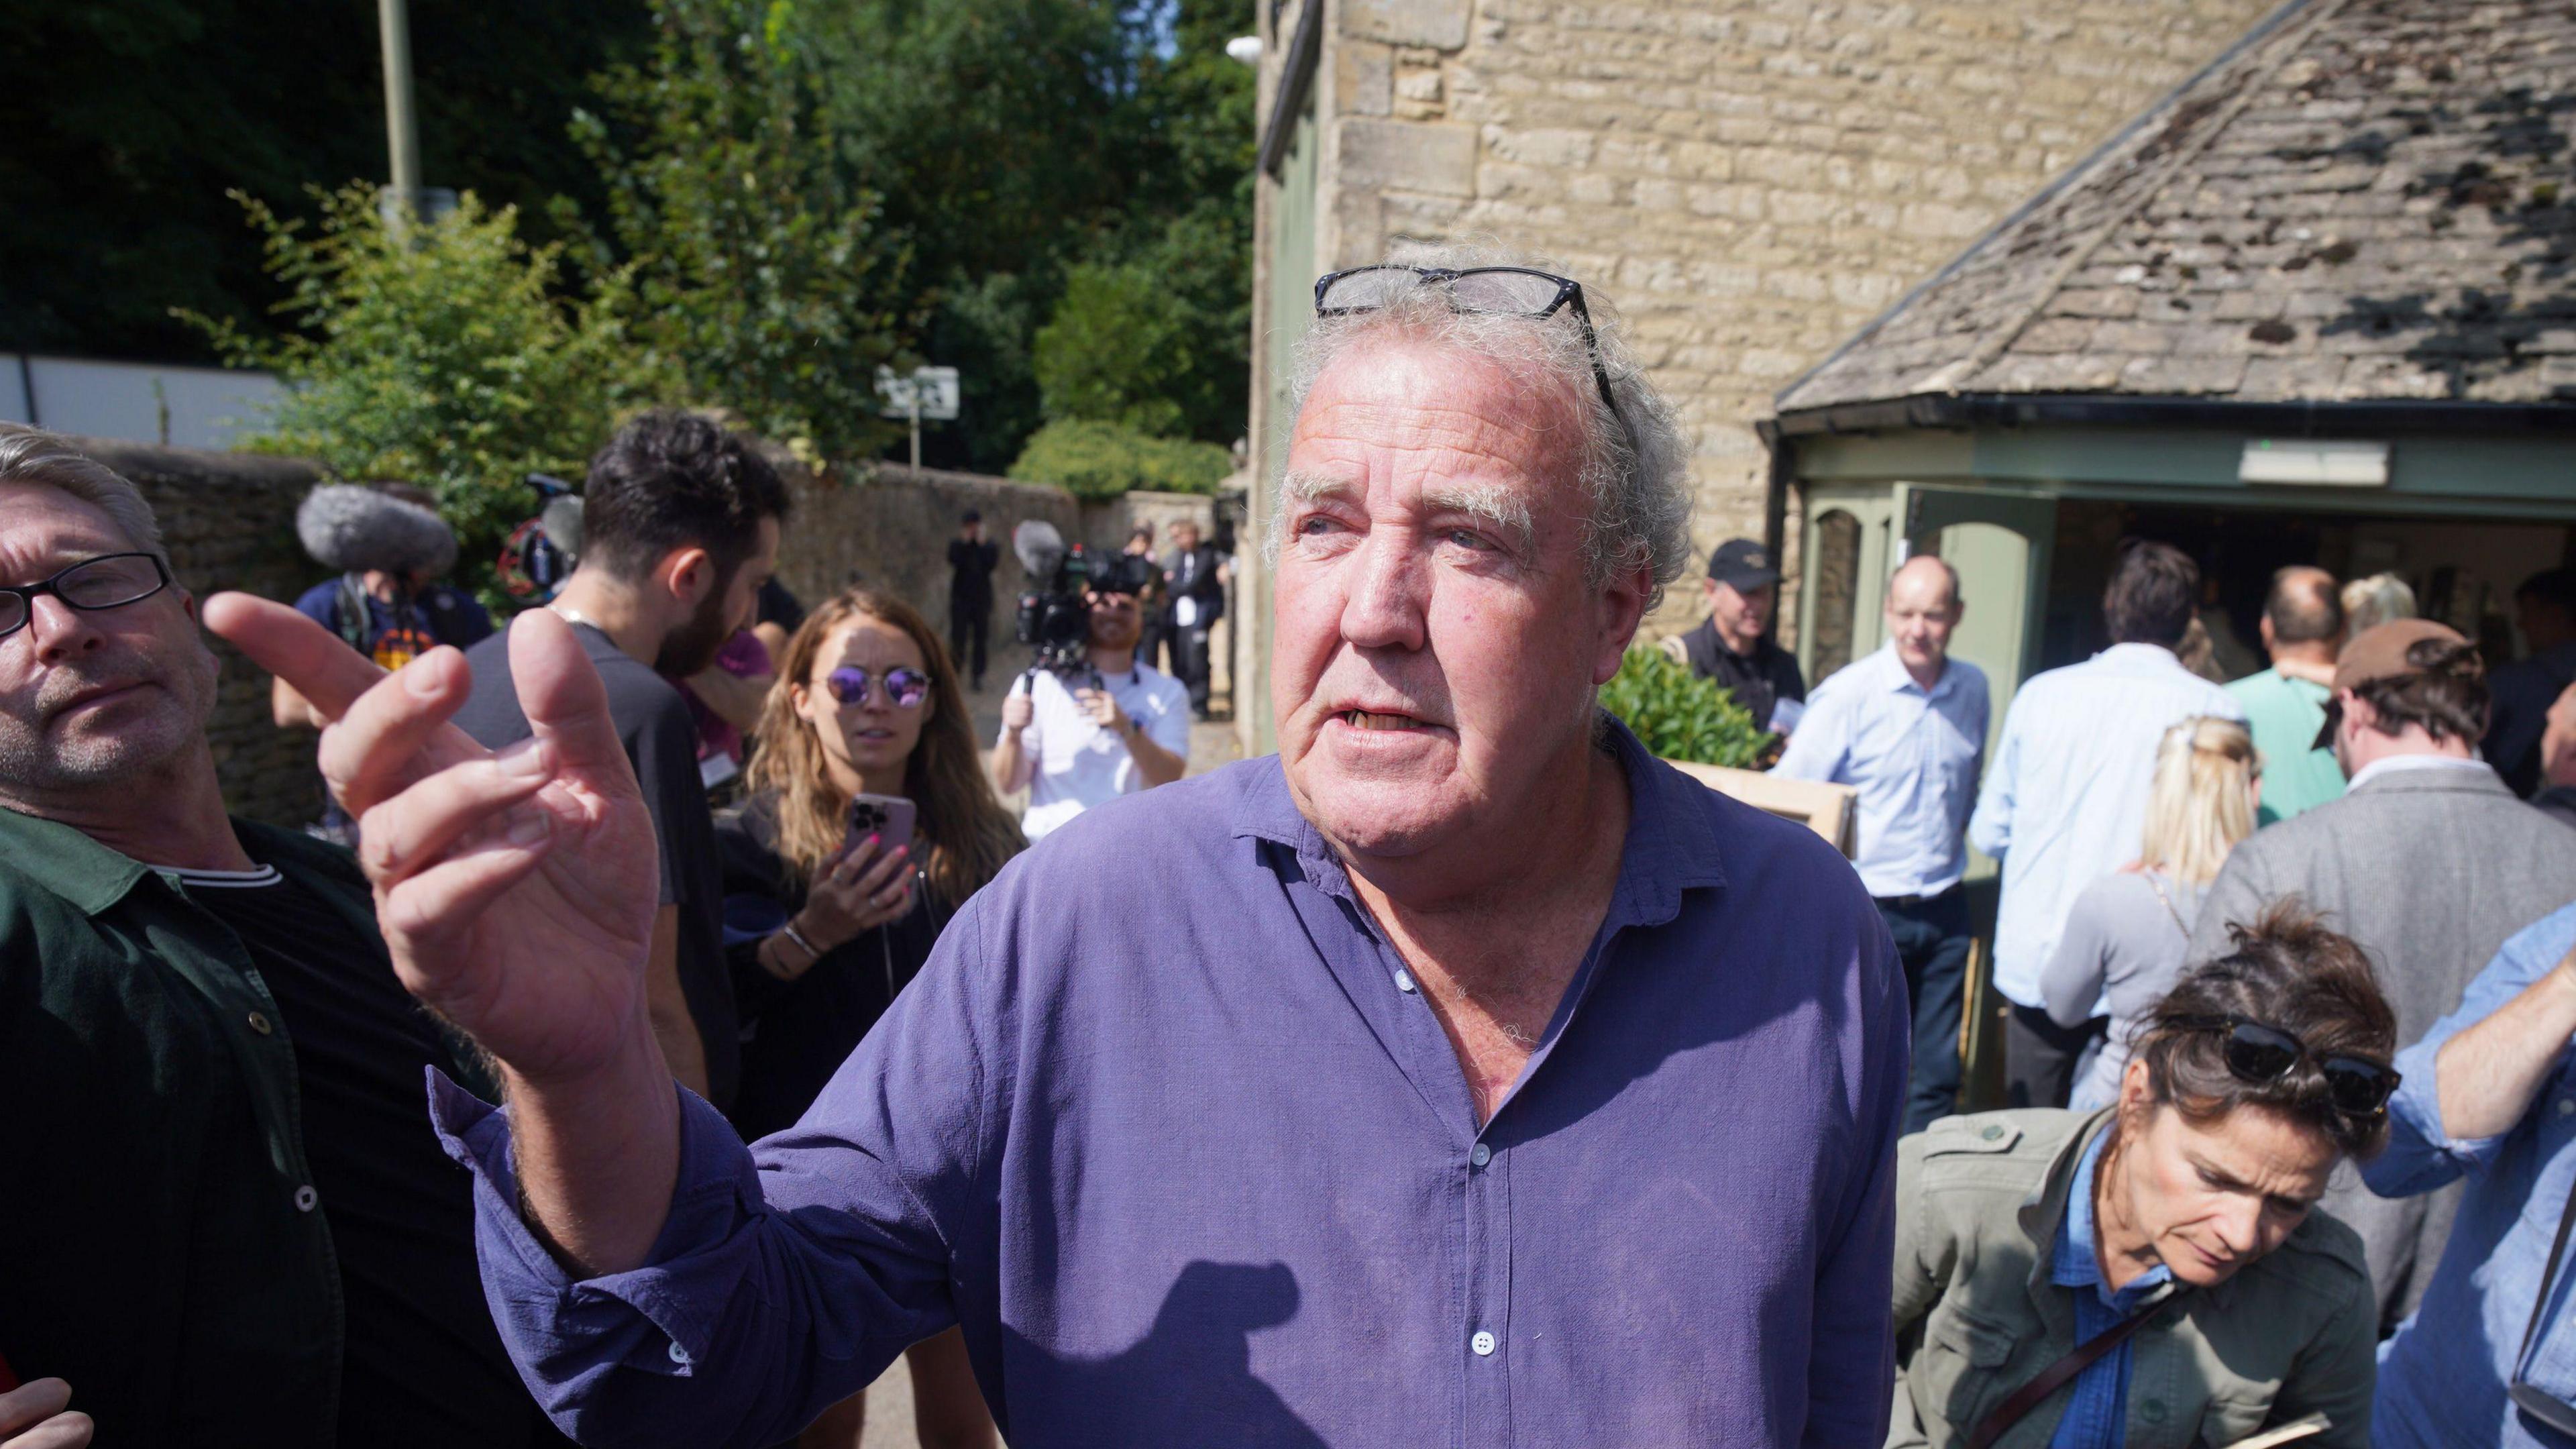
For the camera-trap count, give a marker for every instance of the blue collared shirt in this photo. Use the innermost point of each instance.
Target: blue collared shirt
(2065, 801)
(1199, 1166)
(2097, 1416)
(1912, 754)
(2442, 1377)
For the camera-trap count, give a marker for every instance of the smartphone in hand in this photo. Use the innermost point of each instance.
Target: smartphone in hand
(887, 817)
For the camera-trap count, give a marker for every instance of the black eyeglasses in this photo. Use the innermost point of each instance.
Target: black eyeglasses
(1509, 291)
(109, 581)
(2261, 1054)
(904, 688)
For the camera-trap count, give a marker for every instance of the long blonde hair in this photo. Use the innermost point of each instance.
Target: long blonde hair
(968, 834)
(2202, 801)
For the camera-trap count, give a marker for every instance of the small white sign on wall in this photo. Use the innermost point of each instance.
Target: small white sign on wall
(2308, 461)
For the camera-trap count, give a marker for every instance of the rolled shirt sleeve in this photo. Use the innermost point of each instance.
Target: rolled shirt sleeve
(1990, 826)
(2420, 1155)
(1821, 742)
(788, 1274)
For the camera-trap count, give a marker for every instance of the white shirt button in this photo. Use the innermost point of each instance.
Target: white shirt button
(678, 1354)
(2566, 1105)
(1482, 1343)
(1480, 1154)
(1403, 980)
(305, 1198)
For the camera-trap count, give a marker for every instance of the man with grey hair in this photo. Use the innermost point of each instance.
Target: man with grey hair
(1493, 1083)
(228, 1221)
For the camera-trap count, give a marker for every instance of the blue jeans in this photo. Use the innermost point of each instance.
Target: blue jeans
(1932, 938)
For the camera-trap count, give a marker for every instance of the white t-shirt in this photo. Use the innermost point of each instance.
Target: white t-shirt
(1079, 763)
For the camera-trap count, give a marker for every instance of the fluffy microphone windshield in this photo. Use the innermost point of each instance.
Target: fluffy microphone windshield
(356, 530)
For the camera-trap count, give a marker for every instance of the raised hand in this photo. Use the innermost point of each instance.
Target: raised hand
(516, 892)
(37, 1416)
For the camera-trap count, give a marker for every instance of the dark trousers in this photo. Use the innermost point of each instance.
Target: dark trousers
(1932, 936)
(1190, 654)
(965, 620)
(2041, 1057)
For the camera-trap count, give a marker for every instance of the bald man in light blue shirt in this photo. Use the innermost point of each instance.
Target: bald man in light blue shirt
(1906, 727)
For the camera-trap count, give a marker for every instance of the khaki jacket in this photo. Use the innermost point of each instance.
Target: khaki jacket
(1979, 1202)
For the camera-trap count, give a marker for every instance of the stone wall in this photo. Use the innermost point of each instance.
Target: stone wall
(1750, 180)
(889, 528)
(229, 522)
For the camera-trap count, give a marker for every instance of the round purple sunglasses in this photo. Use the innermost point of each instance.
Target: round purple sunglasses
(906, 688)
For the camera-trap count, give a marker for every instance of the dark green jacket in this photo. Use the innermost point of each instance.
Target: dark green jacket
(164, 1250)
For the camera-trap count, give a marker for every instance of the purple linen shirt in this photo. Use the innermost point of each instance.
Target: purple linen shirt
(1166, 1125)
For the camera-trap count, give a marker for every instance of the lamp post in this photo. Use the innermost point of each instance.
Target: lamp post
(402, 128)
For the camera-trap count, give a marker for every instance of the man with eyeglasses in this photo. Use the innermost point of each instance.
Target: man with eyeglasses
(226, 1220)
(1459, 1075)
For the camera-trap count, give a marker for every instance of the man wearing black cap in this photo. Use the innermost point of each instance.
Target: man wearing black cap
(971, 560)
(1735, 647)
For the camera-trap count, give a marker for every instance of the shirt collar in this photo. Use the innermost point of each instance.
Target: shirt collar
(2401, 764)
(92, 877)
(1672, 844)
(1900, 680)
(66, 862)
(2077, 1263)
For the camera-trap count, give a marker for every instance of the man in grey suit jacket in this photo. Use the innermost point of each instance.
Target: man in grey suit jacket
(2428, 861)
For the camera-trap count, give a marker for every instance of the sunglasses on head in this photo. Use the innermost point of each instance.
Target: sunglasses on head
(2258, 1054)
(905, 687)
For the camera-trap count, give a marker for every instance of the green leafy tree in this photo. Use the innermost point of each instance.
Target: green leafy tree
(1104, 460)
(441, 356)
(1113, 351)
(1679, 716)
(129, 121)
(763, 275)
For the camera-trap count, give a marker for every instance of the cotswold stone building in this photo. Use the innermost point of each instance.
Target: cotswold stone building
(1753, 180)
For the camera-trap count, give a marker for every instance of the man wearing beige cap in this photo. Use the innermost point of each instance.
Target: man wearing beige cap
(2427, 860)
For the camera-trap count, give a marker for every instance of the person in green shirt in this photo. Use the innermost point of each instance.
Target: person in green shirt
(2285, 705)
(226, 1219)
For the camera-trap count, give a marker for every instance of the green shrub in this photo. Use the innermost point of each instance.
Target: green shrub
(1104, 460)
(1680, 716)
(442, 358)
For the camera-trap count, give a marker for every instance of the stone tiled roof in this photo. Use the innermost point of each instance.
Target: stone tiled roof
(2364, 200)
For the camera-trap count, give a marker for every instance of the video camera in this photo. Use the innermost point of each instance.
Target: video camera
(539, 554)
(1055, 614)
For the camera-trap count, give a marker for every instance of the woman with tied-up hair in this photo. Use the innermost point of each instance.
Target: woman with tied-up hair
(824, 932)
(2126, 934)
(2155, 1275)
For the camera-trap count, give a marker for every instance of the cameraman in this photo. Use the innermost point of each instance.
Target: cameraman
(1114, 727)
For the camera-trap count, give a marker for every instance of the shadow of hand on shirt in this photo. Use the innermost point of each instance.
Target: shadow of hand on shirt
(1189, 1380)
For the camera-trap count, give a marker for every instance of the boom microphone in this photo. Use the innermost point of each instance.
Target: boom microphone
(1041, 550)
(359, 530)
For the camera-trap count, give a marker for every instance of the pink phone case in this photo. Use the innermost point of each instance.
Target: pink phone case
(888, 817)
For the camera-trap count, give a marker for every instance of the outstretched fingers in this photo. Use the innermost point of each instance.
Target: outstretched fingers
(320, 664)
(464, 804)
(567, 706)
(398, 731)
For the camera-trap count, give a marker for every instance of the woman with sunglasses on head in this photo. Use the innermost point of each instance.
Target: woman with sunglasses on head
(2154, 1274)
(825, 929)
(2127, 933)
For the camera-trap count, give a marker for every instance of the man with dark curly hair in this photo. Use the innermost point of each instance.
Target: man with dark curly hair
(679, 531)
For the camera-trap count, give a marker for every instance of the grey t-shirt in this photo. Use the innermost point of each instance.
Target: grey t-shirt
(2125, 941)
(662, 743)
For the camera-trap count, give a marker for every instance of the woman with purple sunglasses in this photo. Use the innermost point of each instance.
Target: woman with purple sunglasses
(824, 929)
